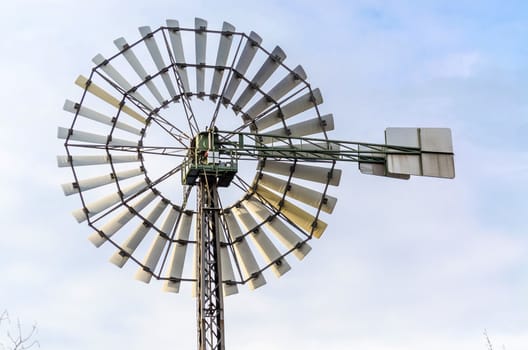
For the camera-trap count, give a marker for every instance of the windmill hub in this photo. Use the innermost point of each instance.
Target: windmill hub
(210, 159)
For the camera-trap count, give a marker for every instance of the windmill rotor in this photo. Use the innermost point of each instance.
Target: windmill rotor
(213, 166)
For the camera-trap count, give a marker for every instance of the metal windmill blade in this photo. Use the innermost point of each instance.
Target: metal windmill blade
(151, 181)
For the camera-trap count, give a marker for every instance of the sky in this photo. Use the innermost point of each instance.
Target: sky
(425, 263)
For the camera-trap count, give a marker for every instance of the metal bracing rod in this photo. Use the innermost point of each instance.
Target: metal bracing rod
(210, 304)
(191, 119)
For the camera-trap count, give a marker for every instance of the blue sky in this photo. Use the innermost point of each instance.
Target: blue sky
(426, 263)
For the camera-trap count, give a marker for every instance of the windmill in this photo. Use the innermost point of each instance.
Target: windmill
(245, 162)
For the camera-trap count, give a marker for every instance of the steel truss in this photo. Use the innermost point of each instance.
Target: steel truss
(209, 296)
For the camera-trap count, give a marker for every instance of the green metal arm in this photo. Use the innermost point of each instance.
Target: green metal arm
(415, 151)
(249, 145)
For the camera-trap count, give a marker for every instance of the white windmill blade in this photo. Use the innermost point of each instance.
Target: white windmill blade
(302, 194)
(247, 55)
(158, 245)
(304, 172)
(226, 39)
(276, 226)
(179, 252)
(244, 256)
(177, 50)
(128, 247)
(121, 219)
(195, 273)
(67, 161)
(77, 135)
(155, 53)
(96, 90)
(269, 252)
(98, 181)
(136, 65)
(106, 202)
(226, 266)
(288, 83)
(88, 113)
(200, 35)
(304, 128)
(120, 80)
(377, 169)
(290, 109)
(298, 216)
(264, 73)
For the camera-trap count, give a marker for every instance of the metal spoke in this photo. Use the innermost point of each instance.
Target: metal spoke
(124, 202)
(182, 138)
(154, 150)
(226, 81)
(186, 103)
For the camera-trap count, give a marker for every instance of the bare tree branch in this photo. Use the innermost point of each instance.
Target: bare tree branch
(488, 341)
(17, 338)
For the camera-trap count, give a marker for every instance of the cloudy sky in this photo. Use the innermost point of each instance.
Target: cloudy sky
(419, 264)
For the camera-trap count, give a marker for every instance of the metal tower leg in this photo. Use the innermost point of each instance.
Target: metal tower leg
(210, 303)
